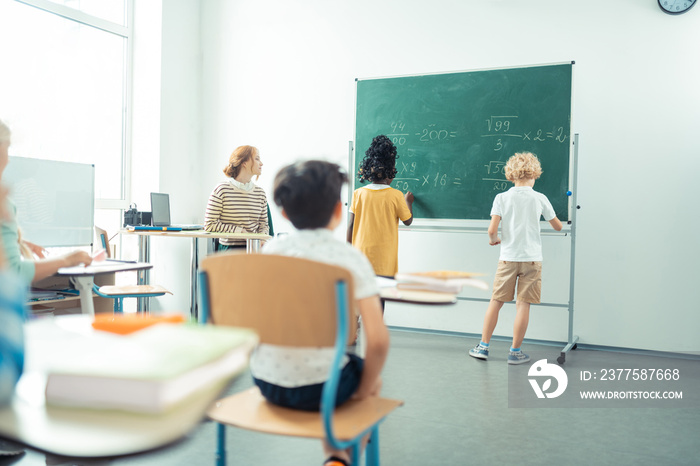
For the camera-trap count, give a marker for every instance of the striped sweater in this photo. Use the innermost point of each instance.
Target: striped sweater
(233, 210)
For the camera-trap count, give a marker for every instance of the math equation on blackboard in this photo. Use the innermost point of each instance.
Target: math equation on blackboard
(420, 147)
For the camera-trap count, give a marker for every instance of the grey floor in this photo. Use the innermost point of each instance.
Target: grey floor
(456, 412)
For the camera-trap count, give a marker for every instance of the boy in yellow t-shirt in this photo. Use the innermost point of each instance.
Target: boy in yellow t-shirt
(373, 221)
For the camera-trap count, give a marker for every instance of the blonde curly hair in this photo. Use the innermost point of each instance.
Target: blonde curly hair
(523, 165)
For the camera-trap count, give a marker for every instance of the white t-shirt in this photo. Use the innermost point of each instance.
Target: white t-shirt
(520, 209)
(296, 367)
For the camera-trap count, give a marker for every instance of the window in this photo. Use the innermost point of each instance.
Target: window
(110, 10)
(64, 88)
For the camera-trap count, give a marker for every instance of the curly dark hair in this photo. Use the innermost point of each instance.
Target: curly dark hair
(380, 161)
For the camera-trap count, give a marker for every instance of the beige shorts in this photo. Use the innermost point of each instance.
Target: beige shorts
(528, 275)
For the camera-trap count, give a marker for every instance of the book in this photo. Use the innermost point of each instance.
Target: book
(128, 323)
(148, 371)
(36, 294)
(445, 281)
(150, 228)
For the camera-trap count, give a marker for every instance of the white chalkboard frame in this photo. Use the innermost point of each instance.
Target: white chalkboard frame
(55, 200)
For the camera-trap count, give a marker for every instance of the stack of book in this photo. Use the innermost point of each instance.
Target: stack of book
(147, 371)
(443, 281)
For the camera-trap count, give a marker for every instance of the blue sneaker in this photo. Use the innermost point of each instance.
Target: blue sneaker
(479, 352)
(517, 357)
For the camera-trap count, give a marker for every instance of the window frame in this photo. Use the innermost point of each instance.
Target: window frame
(125, 32)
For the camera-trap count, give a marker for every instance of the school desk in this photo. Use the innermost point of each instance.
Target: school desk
(82, 277)
(253, 242)
(416, 297)
(87, 432)
(390, 291)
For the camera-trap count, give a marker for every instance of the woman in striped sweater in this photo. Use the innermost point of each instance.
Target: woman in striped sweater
(238, 205)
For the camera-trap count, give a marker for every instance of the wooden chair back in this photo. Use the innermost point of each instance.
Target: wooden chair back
(288, 301)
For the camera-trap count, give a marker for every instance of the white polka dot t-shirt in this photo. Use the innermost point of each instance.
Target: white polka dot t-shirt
(296, 367)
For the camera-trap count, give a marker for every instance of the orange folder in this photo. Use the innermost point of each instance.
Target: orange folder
(127, 323)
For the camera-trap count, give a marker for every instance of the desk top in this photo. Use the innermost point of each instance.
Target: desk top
(389, 291)
(416, 297)
(86, 432)
(197, 234)
(98, 268)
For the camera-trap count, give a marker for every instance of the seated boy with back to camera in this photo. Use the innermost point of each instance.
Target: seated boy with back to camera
(309, 195)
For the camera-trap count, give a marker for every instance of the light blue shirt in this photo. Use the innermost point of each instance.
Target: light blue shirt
(23, 268)
(13, 295)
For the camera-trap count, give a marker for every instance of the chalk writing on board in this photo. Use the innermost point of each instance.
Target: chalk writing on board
(499, 127)
(454, 131)
(433, 133)
(414, 168)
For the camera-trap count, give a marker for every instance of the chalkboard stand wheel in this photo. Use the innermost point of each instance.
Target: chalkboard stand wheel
(561, 359)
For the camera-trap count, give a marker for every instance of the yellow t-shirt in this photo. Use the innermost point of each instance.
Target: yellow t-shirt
(378, 209)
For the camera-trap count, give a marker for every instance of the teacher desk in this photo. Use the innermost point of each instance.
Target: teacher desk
(253, 243)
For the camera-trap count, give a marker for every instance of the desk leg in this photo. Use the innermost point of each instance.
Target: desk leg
(193, 278)
(84, 285)
(252, 246)
(144, 304)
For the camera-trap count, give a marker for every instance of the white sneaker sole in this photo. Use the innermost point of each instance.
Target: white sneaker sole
(518, 361)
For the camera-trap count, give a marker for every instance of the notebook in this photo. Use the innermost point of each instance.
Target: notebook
(160, 214)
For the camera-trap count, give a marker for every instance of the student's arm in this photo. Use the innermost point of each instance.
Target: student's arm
(37, 250)
(556, 224)
(47, 267)
(409, 202)
(351, 224)
(4, 216)
(493, 230)
(377, 347)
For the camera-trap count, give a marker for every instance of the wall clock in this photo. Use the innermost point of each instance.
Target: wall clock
(676, 7)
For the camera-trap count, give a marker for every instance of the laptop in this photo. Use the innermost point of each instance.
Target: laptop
(160, 214)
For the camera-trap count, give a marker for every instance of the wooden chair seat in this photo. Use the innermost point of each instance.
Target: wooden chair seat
(118, 293)
(249, 410)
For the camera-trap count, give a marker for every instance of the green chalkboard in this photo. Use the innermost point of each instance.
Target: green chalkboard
(454, 132)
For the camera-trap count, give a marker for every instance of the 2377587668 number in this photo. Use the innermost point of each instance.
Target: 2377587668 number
(639, 374)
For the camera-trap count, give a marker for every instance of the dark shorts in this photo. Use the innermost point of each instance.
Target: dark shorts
(308, 397)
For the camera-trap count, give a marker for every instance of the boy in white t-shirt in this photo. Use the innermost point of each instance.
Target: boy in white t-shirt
(309, 195)
(519, 209)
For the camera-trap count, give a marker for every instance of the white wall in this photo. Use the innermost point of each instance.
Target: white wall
(167, 133)
(280, 74)
(180, 136)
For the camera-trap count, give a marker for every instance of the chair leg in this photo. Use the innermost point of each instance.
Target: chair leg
(356, 454)
(220, 444)
(372, 452)
(118, 305)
